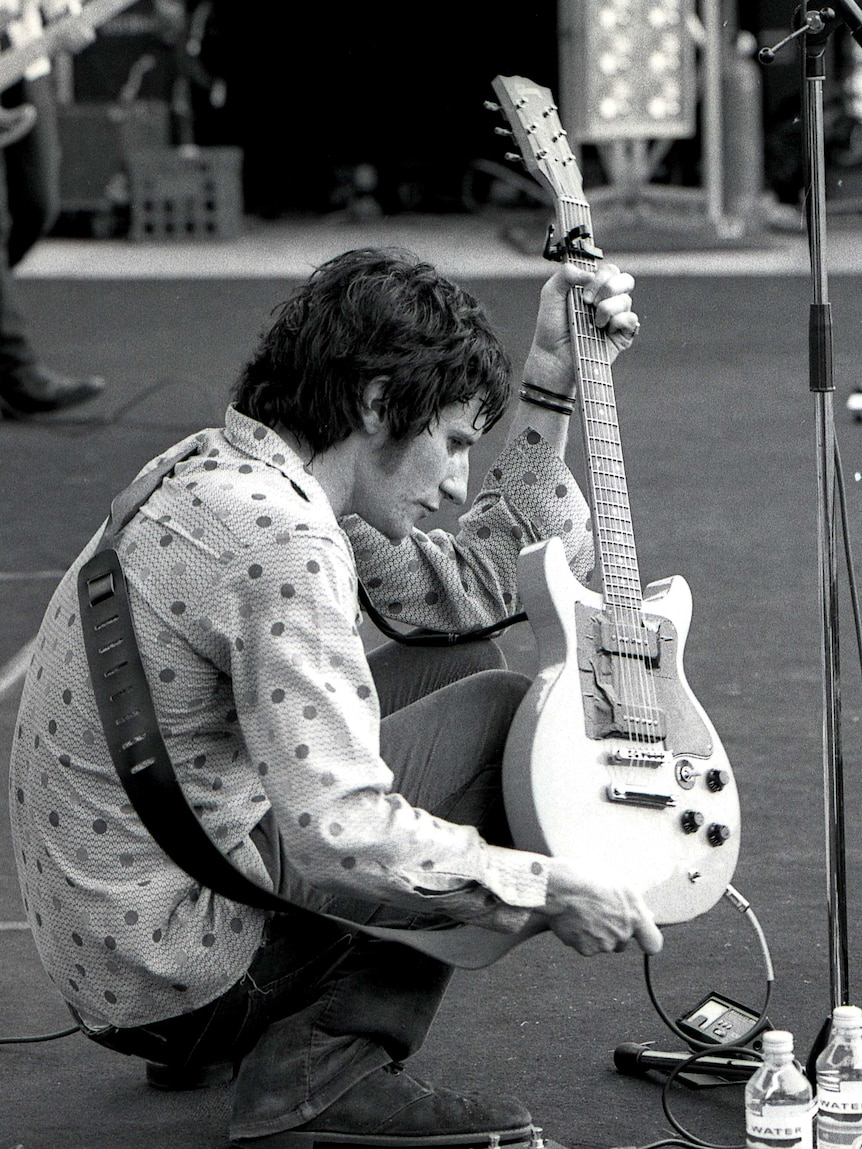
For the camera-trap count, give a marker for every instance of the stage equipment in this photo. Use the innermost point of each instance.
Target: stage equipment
(636, 1058)
(813, 25)
(629, 69)
(636, 77)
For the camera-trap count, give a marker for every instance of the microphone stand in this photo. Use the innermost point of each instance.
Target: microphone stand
(813, 29)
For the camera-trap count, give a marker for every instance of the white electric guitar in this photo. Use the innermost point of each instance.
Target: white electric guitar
(610, 758)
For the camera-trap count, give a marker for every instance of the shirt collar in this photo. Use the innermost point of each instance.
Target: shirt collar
(262, 443)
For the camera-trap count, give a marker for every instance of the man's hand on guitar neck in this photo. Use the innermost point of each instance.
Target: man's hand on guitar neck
(550, 364)
(594, 915)
(608, 291)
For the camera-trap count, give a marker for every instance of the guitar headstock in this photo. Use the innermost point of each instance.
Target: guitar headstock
(536, 127)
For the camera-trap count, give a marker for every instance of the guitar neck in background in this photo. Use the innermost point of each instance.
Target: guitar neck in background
(15, 61)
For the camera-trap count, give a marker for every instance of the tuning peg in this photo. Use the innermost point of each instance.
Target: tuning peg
(514, 157)
(490, 106)
(504, 132)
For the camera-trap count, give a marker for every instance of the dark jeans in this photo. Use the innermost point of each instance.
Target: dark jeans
(320, 1008)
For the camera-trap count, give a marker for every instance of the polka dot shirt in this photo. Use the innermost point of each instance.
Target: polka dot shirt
(244, 592)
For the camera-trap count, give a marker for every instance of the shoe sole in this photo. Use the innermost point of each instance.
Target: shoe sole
(12, 413)
(525, 1138)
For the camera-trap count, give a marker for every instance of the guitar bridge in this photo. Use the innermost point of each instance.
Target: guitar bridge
(636, 756)
(640, 796)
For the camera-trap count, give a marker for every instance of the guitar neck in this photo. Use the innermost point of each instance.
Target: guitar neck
(608, 491)
(15, 61)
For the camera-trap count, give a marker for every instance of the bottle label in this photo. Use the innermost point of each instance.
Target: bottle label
(839, 1112)
(836, 1095)
(780, 1127)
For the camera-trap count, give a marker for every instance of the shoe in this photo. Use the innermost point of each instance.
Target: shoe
(389, 1107)
(38, 390)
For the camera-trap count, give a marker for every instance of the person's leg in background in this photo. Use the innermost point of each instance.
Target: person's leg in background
(29, 203)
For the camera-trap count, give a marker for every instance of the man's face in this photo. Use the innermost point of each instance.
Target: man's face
(404, 481)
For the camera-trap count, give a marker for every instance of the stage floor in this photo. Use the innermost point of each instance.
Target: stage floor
(718, 431)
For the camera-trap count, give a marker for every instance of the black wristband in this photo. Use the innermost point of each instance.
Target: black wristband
(538, 401)
(549, 394)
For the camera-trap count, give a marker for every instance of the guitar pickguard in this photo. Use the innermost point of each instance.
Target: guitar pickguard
(607, 712)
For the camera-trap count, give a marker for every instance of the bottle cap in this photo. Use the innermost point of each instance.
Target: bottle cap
(777, 1041)
(847, 1016)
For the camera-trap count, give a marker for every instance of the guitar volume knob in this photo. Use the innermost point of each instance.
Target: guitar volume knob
(717, 834)
(691, 821)
(716, 779)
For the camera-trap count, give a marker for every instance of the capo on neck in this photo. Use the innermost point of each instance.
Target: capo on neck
(575, 242)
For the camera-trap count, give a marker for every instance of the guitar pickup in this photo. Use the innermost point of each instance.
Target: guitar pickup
(640, 796)
(637, 639)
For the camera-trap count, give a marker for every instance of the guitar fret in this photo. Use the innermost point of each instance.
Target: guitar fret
(612, 534)
(609, 481)
(609, 470)
(625, 558)
(615, 538)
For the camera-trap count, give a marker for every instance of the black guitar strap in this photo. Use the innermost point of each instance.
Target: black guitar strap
(144, 766)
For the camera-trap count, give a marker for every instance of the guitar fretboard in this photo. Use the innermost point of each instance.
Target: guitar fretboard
(612, 526)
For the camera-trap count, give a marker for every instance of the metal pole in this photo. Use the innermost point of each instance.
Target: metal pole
(712, 111)
(822, 386)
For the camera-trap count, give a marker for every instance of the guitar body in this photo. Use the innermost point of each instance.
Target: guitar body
(662, 814)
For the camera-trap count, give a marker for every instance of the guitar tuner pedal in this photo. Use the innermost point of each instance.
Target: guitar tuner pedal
(720, 1020)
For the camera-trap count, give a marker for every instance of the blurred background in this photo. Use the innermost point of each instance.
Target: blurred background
(378, 109)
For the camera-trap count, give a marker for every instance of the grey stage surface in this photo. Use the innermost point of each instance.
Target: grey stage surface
(718, 433)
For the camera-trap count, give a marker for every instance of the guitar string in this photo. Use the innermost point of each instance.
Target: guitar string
(606, 472)
(614, 534)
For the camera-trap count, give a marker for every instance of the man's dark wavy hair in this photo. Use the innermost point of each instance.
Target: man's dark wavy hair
(369, 313)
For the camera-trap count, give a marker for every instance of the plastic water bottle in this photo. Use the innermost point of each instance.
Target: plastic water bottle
(779, 1109)
(839, 1082)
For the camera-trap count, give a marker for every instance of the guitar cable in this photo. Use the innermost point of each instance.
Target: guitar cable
(744, 906)
(701, 1049)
